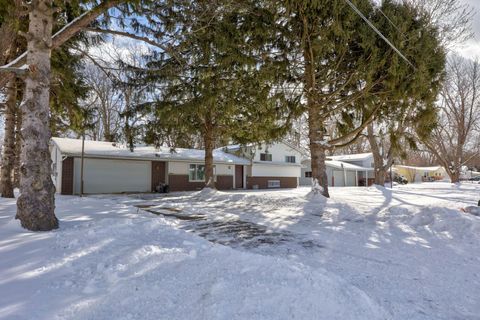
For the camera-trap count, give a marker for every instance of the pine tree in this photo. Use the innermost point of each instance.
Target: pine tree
(220, 83)
(329, 47)
(406, 94)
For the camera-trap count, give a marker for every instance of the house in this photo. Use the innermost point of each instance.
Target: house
(271, 165)
(419, 174)
(112, 168)
(343, 170)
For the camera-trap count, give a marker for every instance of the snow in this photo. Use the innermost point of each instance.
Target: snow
(351, 157)
(429, 169)
(345, 165)
(365, 253)
(109, 150)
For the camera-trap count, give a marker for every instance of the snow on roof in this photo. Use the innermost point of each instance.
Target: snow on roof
(236, 147)
(428, 169)
(351, 157)
(109, 150)
(346, 165)
(339, 165)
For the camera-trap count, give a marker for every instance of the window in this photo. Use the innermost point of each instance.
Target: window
(308, 174)
(196, 172)
(265, 157)
(273, 184)
(290, 159)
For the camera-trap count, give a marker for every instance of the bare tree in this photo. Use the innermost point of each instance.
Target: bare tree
(453, 18)
(459, 117)
(106, 102)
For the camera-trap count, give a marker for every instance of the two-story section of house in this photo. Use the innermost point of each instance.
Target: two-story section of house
(272, 165)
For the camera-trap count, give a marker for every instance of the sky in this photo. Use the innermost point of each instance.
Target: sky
(471, 49)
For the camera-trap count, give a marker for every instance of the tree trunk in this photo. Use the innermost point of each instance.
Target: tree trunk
(378, 163)
(318, 156)
(18, 148)
(454, 176)
(36, 203)
(8, 156)
(128, 128)
(209, 142)
(316, 129)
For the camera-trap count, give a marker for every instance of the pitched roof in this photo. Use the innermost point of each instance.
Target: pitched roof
(339, 165)
(346, 165)
(236, 147)
(351, 157)
(104, 149)
(428, 169)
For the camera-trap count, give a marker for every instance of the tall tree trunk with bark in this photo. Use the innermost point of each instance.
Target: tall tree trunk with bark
(316, 129)
(8, 156)
(318, 154)
(18, 148)
(209, 142)
(36, 203)
(378, 163)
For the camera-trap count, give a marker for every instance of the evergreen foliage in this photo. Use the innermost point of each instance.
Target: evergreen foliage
(221, 83)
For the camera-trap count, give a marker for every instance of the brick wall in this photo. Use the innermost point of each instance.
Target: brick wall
(262, 182)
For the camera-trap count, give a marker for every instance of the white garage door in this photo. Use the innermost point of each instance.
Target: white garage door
(351, 179)
(338, 178)
(113, 176)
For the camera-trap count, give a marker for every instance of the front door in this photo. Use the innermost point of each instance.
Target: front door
(158, 174)
(238, 177)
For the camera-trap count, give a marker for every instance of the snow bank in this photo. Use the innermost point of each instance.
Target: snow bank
(111, 261)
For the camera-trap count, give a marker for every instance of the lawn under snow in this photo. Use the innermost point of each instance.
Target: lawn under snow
(366, 253)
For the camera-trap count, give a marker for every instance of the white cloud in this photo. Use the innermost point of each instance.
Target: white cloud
(470, 50)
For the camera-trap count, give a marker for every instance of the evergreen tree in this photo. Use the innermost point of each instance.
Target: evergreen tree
(406, 94)
(328, 45)
(221, 83)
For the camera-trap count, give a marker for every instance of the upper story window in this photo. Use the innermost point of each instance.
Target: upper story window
(290, 159)
(265, 157)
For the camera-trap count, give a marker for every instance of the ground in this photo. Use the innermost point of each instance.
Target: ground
(366, 253)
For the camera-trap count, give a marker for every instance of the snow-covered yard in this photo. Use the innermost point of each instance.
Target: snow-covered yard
(366, 253)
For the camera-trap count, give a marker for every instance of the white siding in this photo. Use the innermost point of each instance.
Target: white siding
(261, 170)
(56, 157)
(178, 167)
(278, 152)
(112, 176)
(224, 169)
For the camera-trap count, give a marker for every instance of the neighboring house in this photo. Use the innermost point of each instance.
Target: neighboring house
(419, 174)
(343, 170)
(110, 168)
(271, 165)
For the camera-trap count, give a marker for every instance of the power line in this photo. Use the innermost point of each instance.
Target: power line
(379, 33)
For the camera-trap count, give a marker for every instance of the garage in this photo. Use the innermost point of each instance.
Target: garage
(112, 176)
